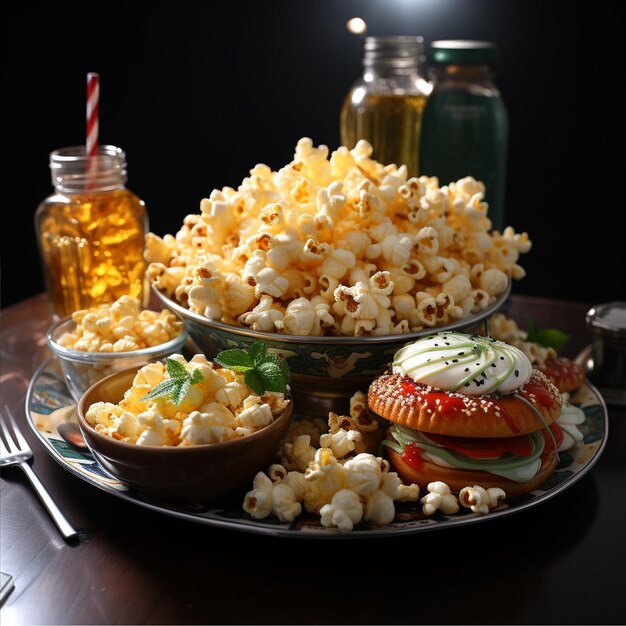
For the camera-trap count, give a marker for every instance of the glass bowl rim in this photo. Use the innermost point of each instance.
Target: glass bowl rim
(83, 356)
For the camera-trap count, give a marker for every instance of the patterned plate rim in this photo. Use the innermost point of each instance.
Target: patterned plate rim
(211, 517)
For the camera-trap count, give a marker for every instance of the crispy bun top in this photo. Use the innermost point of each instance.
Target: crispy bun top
(400, 399)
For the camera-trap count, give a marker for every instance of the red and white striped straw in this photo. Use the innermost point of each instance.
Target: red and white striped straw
(93, 97)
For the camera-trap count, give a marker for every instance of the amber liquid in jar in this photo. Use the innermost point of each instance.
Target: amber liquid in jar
(391, 123)
(92, 249)
(91, 231)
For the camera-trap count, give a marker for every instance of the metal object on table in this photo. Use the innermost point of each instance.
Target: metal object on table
(605, 359)
(14, 450)
(6, 585)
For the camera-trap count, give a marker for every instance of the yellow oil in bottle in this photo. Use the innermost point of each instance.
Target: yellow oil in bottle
(92, 248)
(391, 123)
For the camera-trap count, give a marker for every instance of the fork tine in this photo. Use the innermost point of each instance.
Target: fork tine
(17, 434)
(4, 451)
(5, 439)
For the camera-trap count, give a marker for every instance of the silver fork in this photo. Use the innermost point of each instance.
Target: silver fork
(14, 450)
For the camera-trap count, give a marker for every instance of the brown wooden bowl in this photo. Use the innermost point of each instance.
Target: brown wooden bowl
(190, 473)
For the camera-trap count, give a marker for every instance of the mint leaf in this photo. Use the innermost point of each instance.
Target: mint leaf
(552, 338)
(236, 359)
(257, 352)
(255, 382)
(263, 371)
(548, 337)
(196, 377)
(272, 376)
(177, 385)
(162, 390)
(178, 395)
(284, 368)
(175, 369)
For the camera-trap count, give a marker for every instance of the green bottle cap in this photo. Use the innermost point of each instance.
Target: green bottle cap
(463, 52)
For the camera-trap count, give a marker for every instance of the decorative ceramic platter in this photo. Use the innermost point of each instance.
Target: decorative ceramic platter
(49, 406)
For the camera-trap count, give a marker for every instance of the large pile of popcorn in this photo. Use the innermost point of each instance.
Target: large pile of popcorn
(341, 246)
(219, 408)
(333, 471)
(120, 327)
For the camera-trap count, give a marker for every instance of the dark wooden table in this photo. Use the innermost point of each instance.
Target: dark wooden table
(563, 561)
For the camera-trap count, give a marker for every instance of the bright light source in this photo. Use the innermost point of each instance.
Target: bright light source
(356, 25)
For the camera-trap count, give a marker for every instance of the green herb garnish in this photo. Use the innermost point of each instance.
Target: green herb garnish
(548, 337)
(263, 371)
(177, 385)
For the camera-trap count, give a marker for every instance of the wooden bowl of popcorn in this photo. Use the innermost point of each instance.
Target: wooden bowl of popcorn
(93, 343)
(214, 441)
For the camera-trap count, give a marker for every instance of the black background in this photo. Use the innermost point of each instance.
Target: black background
(197, 93)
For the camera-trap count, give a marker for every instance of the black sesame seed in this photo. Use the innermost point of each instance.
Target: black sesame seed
(467, 384)
(455, 360)
(517, 372)
(467, 369)
(461, 353)
(502, 358)
(447, 363)
(447, 342)
(437, 344)
(493, 365)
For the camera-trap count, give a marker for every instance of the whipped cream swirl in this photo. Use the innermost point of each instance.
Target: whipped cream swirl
(467, 364)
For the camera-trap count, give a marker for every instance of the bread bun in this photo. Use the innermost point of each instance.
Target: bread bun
(566, 374)
(456, 479)
(400, 399)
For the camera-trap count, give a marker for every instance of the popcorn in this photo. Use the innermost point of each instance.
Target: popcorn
(344, 511)
(120, 327)
(220, 407)
(342, 490)
(320, 228)
(481, 500)
(439, 498)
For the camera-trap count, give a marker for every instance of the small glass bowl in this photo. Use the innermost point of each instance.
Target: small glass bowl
(81, 369)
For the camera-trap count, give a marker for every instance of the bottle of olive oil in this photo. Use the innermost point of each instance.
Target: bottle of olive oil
(385, 105)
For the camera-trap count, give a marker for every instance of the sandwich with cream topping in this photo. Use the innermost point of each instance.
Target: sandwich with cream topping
(468, 410)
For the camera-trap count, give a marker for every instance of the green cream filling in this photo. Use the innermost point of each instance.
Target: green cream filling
(516, 468)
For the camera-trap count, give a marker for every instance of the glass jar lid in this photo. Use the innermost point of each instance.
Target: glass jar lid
(73, 171)
(609, 319)
(398, 51)
(463, 52)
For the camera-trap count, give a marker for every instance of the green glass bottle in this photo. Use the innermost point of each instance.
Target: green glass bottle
(465, 124)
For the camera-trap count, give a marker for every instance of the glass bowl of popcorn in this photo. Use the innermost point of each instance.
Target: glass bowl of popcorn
(93, 343)
(183, 430)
